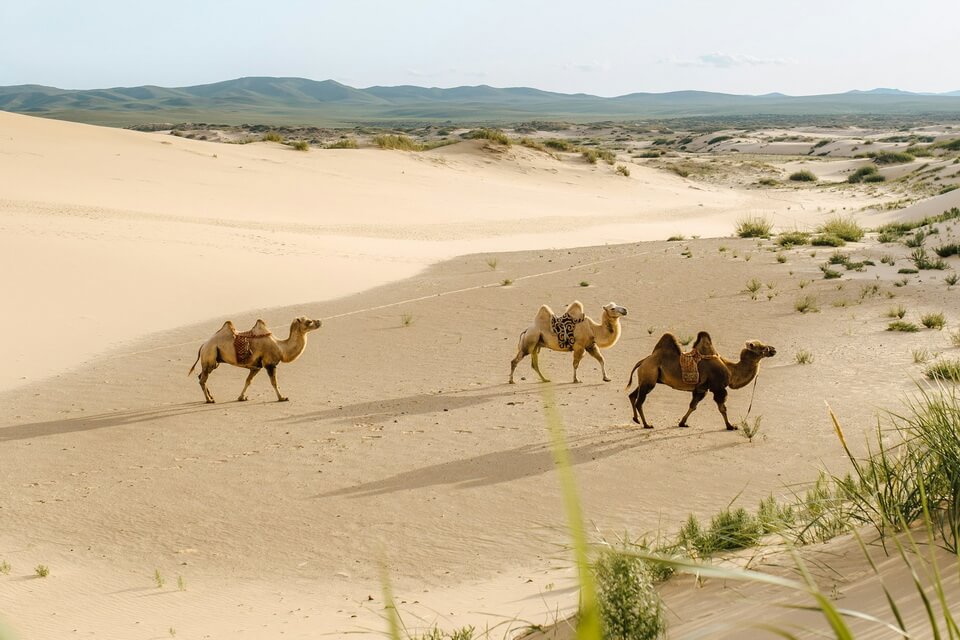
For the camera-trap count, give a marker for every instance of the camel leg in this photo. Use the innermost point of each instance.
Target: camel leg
(637, 398)
(272, 372)
(521, 354)
(577, 357)
(594, 351)
(720, 397)
(243, 394)
(204, 374)
(535, 363)
(698, 395)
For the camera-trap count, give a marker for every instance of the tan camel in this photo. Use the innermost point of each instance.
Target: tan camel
(716, 373)
(575, 332)
(254, 350)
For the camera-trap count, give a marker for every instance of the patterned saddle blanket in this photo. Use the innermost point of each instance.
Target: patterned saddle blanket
(241, 344)
(689, 370)
(689, 365)
(563, 326)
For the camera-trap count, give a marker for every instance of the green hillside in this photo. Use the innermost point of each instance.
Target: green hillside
(297, 101)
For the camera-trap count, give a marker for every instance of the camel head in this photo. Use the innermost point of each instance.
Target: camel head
(304, 324)
(614, 310)
(759, 349)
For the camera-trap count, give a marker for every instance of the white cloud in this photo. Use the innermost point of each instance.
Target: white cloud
(727, 61)
(587, 67)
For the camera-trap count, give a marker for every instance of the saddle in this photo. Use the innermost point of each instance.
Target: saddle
(241, 344)
(563, 327)
(689, 365)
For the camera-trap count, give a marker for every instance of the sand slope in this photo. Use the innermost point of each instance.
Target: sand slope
(401, 446)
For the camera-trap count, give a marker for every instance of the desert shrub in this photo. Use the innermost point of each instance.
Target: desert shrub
(803, 176)
(754, 227)
(944, 370)
(558, 145)
(590, 155)
(629, 605)
(272, 136)
(494, 135)
(793, 238)
(827, 240)
(768, 182)
(400, 142)
(861, 173)
(951, 145)
(897, 312)
(845, 228)
(623, 170)
(901, 325)
(718, 139)
(875, 177)
(933, 321)
(343, 143)
(922, 261)
(803, 357)
(948, 250)
(607, 156)
(892, 157)
(828, 273)
(806, 304)
(651, 153)
(838, 258)
(300, 145)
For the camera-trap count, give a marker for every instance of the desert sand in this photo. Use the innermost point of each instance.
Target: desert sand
(402, 450)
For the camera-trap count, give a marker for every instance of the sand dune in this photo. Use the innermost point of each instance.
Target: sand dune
(126, 233)
(402, 446)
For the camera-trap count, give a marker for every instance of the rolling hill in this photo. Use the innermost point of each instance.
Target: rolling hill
(329, 103)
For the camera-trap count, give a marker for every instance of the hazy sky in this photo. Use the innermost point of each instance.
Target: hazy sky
(601, 47)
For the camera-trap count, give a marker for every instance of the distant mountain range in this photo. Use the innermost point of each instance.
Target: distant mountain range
(329, 103)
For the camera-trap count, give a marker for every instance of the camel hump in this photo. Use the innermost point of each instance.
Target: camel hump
(259, 327)
(544, 314)
(704, 344)
(575, 311)
(668, 343)
(228, 327)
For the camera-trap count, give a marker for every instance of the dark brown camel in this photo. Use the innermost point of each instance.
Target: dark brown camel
(716, 373)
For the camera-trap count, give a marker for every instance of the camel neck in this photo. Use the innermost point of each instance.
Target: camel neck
(743, 372)
(293, 346)
(609, 332)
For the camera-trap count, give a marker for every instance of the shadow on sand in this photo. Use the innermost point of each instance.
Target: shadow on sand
(100, 421)
(508, 465)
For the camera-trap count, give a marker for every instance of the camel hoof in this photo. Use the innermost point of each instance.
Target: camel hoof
(211, 401)
(575, 381)
(512, 382)
(683, 426)
(637, 421)
(282, 399)
(731, 427)
(606, 379)
(242, 399)
(648, 426)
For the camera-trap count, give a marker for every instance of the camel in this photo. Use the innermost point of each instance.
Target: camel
(716, 373)
(577, 333)
(254, 350)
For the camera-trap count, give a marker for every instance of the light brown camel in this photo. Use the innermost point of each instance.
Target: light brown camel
(578, 334)
(716, 373)
(254, 350)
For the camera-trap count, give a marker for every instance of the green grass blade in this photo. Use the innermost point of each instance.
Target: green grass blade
(886, 592)
(389, 606)
(589, 627)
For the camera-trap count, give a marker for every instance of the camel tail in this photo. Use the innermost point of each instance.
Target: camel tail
(195, 362)
(632, 371)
